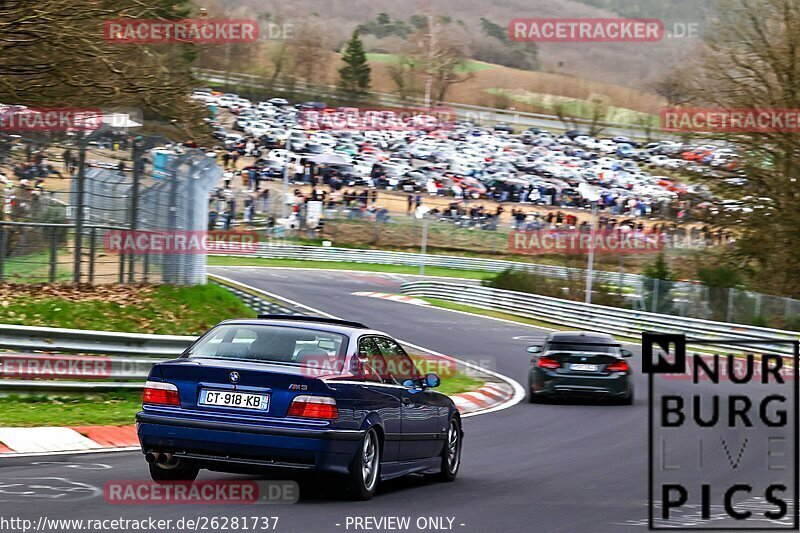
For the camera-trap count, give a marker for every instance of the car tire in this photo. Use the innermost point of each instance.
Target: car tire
(365, 469)
(537, 398)
(183, 471)
(628, 400)
(451, 452)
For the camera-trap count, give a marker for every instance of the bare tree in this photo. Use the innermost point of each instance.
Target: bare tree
(59, 57)
(751, 60)
(440, 57)
(309, 54)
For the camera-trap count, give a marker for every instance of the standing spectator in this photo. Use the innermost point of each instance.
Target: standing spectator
(67, 155)
(264, 200)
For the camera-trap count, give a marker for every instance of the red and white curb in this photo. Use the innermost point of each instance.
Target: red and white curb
(487, 397)
(83, 439)
(49, 440)
(392, 297)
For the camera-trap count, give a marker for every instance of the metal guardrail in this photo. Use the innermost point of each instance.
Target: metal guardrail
(32, 338)
(117, 360)
(382, 257)
(612, 320)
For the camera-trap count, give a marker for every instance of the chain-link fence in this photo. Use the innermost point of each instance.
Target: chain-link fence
(724, 304)
(62, 199)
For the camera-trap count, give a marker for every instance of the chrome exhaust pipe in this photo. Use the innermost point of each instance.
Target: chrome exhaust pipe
(167, 459)
(150, 457)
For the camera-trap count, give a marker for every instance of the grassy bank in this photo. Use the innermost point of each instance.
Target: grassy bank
(108, 408)
(161, 309)
(342, 265)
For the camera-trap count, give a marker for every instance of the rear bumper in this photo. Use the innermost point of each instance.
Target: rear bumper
(552, 384)
(217, 444)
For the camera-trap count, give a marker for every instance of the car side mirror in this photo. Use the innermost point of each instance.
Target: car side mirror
(432, 381)
(626, 353)
(534, 349)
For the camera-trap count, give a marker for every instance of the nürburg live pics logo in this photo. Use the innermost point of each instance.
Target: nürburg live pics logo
(723, 442)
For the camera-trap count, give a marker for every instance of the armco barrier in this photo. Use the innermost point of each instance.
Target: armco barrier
(612, 320)
(130, 356)
(382, 257)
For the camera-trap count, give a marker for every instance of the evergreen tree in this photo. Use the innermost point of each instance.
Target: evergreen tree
(354, 76)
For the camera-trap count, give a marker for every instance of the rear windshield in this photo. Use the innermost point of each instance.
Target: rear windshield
(272, 344)
(582, 347)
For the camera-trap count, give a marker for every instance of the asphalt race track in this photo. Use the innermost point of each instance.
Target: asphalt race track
(571, 467)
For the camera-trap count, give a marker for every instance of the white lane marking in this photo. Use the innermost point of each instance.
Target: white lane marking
(519, 391)
(77, 466)
(46, 488)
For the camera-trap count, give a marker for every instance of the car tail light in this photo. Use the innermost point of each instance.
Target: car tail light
(160, 393)
(618, 366)
(549, 363)
(306, 406)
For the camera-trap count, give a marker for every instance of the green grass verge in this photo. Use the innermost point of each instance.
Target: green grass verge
(459, 383)
(341, 265)
(163, 309)
(108, 408)
(119, 408)
(451, 382)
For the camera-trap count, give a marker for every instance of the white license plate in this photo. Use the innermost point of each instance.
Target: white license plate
(583, 367)
(258, 402)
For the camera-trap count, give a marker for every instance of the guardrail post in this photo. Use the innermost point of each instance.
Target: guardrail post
(122, 268)
(3, 255)
(79, 209)
(53, 254)
(758, 305)
(134, 222)
(92, 247)
(730, 304)
(654, 304)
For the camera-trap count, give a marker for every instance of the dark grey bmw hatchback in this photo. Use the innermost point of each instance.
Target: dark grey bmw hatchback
(577, 363)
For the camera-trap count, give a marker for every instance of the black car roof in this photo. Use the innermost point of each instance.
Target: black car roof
(331, 325)
(581, 337)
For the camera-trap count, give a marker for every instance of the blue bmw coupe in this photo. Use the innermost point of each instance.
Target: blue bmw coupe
(303, 393)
